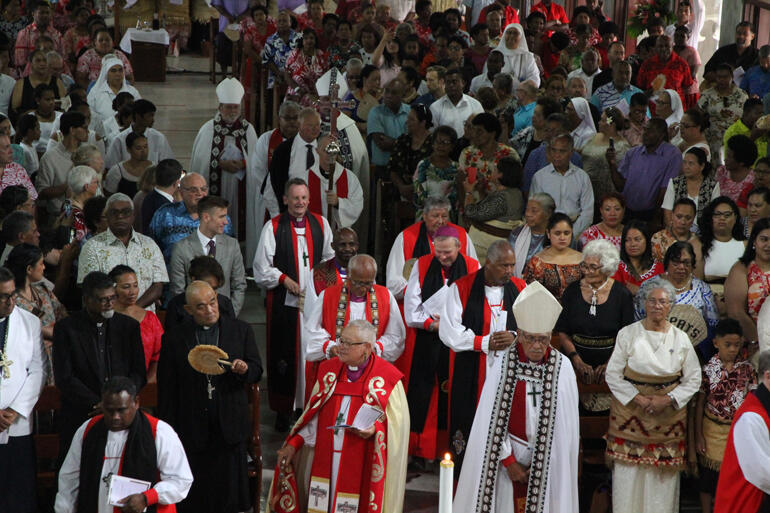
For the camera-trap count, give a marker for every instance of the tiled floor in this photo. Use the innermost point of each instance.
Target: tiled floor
(186, 101)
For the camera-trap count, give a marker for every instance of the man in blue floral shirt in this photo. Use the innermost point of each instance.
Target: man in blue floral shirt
(278, 46)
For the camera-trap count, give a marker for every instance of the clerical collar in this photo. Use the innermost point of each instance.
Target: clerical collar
(297, 222)
(340, 269)
(356, 372)
(356, 299)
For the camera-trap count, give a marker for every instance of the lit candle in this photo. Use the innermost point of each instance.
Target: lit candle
(446, 482)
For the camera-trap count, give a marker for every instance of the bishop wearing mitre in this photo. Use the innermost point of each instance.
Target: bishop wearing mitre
(522, 453)
(348, 450)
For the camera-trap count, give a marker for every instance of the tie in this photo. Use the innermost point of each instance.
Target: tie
(212, 248)
(310, 159)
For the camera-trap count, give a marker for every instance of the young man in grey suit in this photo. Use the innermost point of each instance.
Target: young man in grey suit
(209, 239)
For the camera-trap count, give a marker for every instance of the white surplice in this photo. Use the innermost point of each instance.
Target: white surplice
(349, 208)
(175, 474)
(159, 148)
(752, 448)
(639, 488)
(200, 162)
(389, 346)
(415, 313)
(256, 171)
(394, 269)
(267, 275)
(561, 488)
(360, 167)
(459, 338)
(21, 390)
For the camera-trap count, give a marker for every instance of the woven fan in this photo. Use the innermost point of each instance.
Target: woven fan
(208, 359)
(689, 319)
(659, 83)
(408, 267)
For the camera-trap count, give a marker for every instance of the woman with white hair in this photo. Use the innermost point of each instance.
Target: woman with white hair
(111, 81)
(594, 309)
(83, 184)
(528, 239)
(519, 61)
(653, 373)
(88, 155)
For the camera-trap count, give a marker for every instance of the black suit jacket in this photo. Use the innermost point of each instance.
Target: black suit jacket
(182, 396)
(279, 169)
(76, 368)
(176, 314)
(150, 204)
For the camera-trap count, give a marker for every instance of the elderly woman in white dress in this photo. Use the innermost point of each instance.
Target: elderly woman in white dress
(111, 81)
(519, 61)
(653, 372)
(579, 114)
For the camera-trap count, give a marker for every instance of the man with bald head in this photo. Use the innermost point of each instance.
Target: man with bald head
(341, 201)
(358, 297)
(173, 222)
(210, 412)
(476, 323)
(294, 156)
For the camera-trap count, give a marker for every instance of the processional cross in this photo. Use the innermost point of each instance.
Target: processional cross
(5, 364)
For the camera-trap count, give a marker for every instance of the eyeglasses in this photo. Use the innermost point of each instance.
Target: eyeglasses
(348, 343)
(591, 267)
(724, 215)
(196, 190)
(685, 262)
(107, 300)
(357, 283)
(658, 302)
(124, 212)
(531, 339)
(7, 298)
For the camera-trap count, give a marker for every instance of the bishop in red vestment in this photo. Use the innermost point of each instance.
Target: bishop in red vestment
(352, 437)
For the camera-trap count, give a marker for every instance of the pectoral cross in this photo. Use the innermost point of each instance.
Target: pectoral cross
(534, 393)
(5, 364)
(210, 389)
(304, 258)
(340, 420)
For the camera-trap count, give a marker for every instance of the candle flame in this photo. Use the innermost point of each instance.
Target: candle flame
(447, 457)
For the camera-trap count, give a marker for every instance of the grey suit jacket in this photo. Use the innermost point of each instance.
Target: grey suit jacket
(228, 256)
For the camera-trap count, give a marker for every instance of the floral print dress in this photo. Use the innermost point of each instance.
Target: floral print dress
(432, 181)
(718, 107)
(305, 71)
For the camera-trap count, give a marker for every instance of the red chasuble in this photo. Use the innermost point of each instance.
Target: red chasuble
(331, 319)
(325, 275)
(361, 477)
(734, 493)
(314, 184)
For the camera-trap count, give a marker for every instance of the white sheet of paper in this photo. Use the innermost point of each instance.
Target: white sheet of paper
(121, 487)
(365, 418)
(291, 300)
(522, 451)
(738, 75)
(4, 437)
(433, 304)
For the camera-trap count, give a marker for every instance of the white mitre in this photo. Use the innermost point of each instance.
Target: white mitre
(230, 92)
(322, 84)
(535, 309)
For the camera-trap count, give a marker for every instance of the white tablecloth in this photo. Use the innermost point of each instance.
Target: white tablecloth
(154, 36)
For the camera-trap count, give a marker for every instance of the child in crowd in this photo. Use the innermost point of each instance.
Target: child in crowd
(727, 379)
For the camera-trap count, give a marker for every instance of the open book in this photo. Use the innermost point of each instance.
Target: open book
(365, 418)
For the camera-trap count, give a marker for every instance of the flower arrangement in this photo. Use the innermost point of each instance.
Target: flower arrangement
(645, 11)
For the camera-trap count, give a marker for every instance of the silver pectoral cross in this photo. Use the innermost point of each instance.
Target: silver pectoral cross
(210, 389)
(5, 364)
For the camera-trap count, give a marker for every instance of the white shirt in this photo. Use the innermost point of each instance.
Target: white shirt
(205, 241)
(297, 164)
(459, 338)
(480, 81)
(55, 165)
(752, 447)
(572, 192)
(159, 148)
(446, 113)
(7, 83)
(589, 80)
(165, 195)
(175, 474)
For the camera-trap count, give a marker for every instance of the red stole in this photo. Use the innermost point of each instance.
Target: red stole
(329, 322)
(314, 184)
(734, 493)
(411, 237)
(159, 508)
(276, 138)
(364, 461)
(308, 240)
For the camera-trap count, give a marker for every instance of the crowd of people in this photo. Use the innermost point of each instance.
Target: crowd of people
(556, 229)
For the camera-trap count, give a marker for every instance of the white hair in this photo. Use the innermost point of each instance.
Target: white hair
(186, 178)
(657, 283)
(606, 252)
(366, 329)
(83, 155)
(361, 259)
(118, 197)
(434, 202)
(80, 176)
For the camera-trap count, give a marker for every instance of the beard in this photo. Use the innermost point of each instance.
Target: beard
(230, 119)
(107, 314)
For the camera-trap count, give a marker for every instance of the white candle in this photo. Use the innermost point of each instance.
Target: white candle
(446, 482)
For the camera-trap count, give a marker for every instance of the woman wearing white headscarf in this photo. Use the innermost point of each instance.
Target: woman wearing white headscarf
(519, 61)
(111, 81)
(668, 106)
(579, 113)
